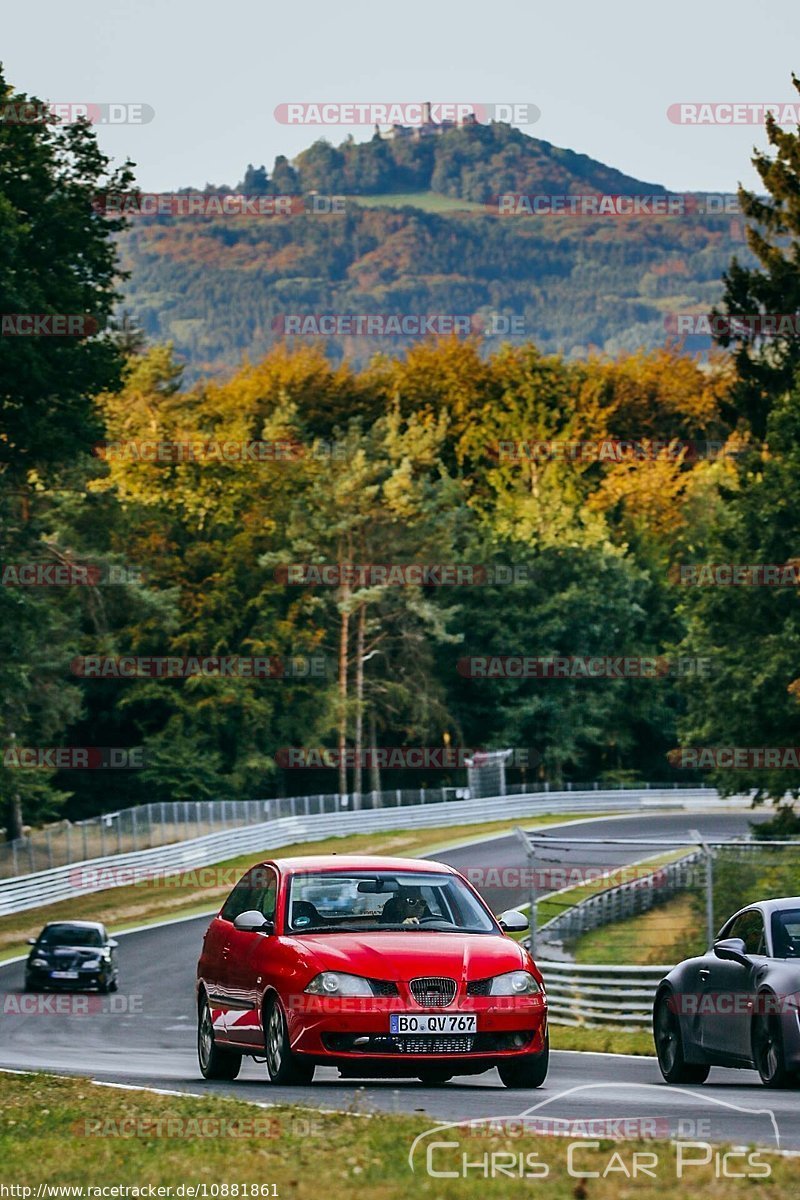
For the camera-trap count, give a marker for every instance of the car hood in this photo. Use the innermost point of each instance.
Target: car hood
(406, 955)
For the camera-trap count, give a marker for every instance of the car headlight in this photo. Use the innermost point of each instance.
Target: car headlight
(39, 962)
(514, 983)
(91, 964)
(335, 983)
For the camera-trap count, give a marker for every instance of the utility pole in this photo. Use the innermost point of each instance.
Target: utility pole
(709, 853)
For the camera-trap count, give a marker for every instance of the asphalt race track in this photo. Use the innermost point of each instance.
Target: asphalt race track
(148, 1037)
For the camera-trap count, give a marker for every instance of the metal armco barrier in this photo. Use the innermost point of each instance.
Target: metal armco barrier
(592, 995)
(624, 899)
(94, 875)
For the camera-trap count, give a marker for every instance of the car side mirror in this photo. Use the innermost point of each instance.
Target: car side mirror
(732, 950)
(512, 921)
(113, 944)
(31, 941)
(252, 921)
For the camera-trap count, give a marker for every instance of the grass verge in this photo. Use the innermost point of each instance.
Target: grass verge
(71, 1132)
(662, 935)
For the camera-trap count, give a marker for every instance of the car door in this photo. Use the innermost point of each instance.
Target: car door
(729, 989)
(218, 945)
(244, 960)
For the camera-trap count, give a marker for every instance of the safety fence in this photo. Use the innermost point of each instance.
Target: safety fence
(101, 872)
(624, 900)
(164, 822)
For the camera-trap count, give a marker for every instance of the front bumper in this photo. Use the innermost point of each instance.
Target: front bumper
(356, 1031)
(41, 977)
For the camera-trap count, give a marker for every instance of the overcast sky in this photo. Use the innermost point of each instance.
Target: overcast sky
(603, 75)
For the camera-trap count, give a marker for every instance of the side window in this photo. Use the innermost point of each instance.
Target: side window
(253, 890)
(750, 928)
(269, 892)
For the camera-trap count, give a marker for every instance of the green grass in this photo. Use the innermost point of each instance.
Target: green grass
(601, 1041)
(553, 905)
(67, 1132)
(186, 895)
(663, 935)
(428, 201)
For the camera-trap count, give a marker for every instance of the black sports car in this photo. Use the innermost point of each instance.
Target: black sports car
(738, 1005)
(72, 954)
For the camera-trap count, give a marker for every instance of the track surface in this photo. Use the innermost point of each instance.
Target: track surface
(149, 1039)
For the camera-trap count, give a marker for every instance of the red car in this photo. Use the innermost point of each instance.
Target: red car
(376, 966)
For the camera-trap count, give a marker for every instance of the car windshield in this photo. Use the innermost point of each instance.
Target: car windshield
(786, 933)
(70, 935)
(386, 901)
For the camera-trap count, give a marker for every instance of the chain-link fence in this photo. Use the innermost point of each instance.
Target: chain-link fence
(164, 822)
(647, 901)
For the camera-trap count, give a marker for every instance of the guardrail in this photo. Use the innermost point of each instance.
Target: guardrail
(93, 875)
(163, 822)
(623, 900)
(592, 995)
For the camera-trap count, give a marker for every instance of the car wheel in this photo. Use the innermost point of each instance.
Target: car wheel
(434, 1078)
(768, 1055)
(669, 1046)
(113, 985)
(215, 1063)
(283, 1066)
(529, 1071)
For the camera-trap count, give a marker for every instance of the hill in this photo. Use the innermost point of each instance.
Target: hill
(415, 229)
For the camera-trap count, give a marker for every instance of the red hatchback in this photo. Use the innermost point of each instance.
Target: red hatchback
(376, 966)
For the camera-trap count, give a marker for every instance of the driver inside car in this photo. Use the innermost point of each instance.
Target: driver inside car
(407, 907)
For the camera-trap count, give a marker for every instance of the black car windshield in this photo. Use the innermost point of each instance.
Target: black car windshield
(786, 933)
(70, 935)
(386, 901)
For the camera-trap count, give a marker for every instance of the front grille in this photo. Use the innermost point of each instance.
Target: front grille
(480, 987)
(434, 1045)
(433, 991)
(399, 1044)
(383, 987)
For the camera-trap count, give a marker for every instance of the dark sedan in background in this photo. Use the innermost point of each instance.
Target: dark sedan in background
(738, 1005)
(72, 954)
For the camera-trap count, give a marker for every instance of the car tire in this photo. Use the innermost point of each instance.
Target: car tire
(529, 1071)
(113, 985)
(434, 1078)
(283, 1067)
(215, 1063)
(768, 1054)
(669, 1046)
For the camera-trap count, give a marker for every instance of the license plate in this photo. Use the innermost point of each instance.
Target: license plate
(433, 1023)
(63, 974)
